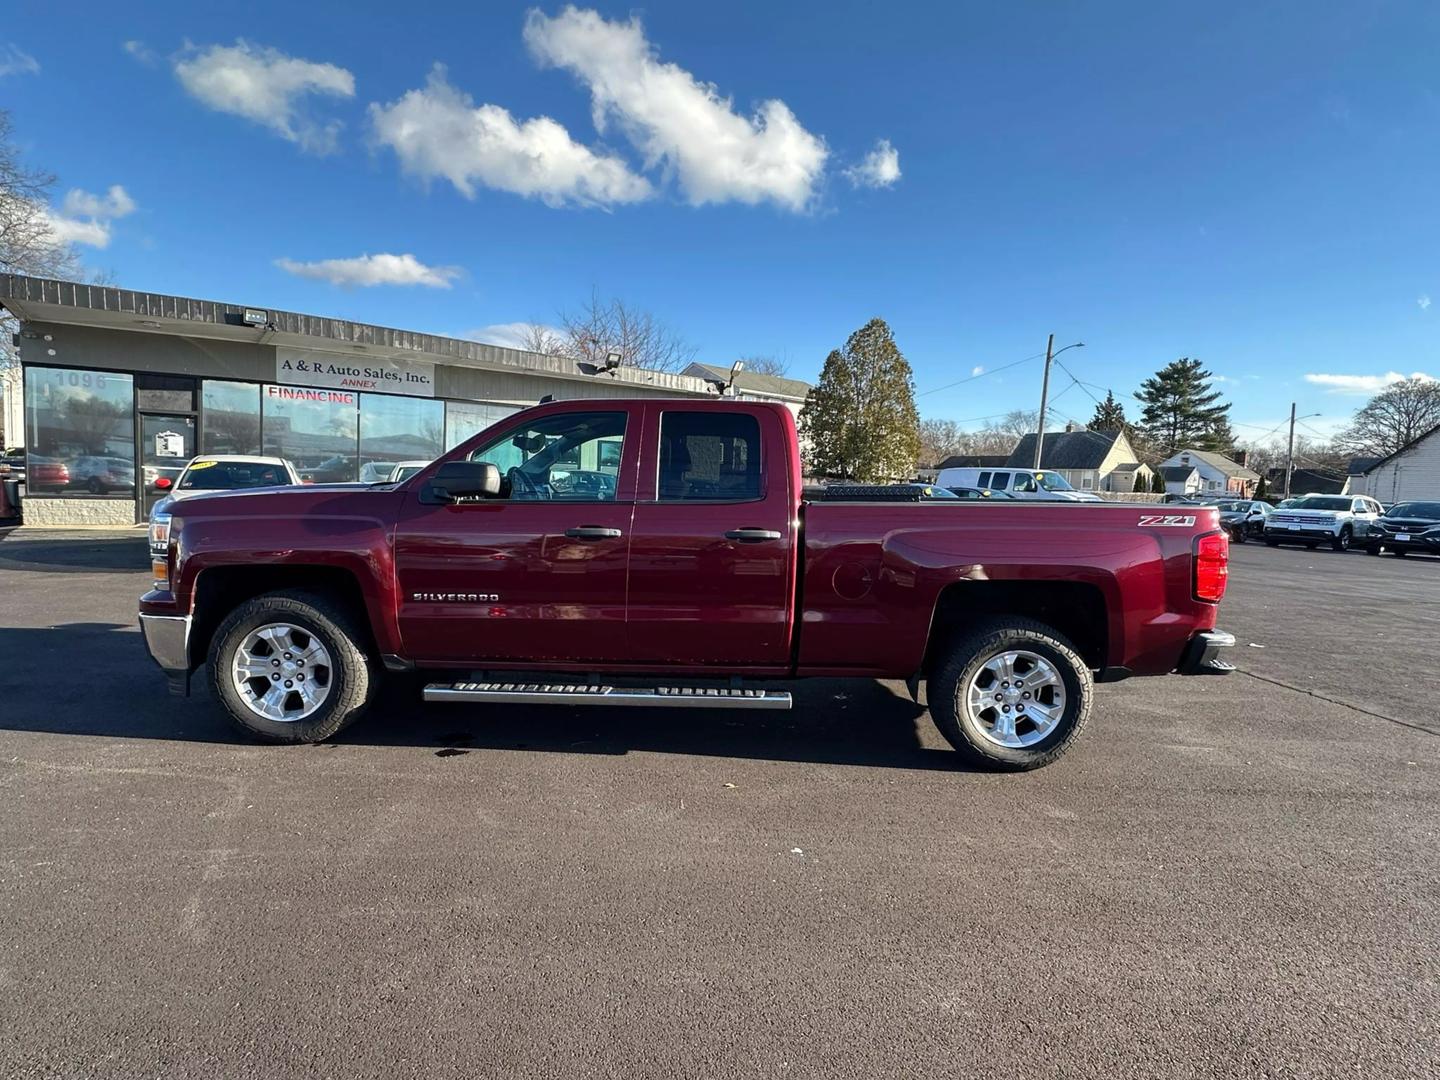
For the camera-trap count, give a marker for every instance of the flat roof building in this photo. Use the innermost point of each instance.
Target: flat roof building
(122, 387)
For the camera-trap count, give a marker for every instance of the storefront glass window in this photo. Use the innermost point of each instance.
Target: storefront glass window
(79, 432)
(396, 429)
(315, 430)
(232, 418)
(466, 418)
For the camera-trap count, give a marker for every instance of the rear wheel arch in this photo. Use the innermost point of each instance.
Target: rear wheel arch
(1077, 610)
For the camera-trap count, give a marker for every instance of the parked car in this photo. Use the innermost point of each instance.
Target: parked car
(376, 472)
(213, 473)
(99, 475)
(1406, 527)
(405, 469)
(1337, 520)
(12, 464)
(975, 494)
(881, 493)
(1022, 483)
(46, 473)
(298, 600)
(1243, 518)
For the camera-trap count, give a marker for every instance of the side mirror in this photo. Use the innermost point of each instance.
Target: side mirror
(464, 479)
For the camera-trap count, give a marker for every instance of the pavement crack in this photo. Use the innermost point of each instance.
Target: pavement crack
(1336, 701)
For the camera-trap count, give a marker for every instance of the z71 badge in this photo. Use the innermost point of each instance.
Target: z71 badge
(1161, 521)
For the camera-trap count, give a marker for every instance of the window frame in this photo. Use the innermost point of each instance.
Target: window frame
(459, 453)
(66, 493)
(764, 473)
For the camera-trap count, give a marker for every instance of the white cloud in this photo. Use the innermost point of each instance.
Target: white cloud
(1424, 301)
(977, 370)
(13, 61)
(1362, 384)
(365, 271)
(440, 132)
(115, 203)
(513, 335)
(140, 51)
(879, 168)
(268, 87)
(84, 217)
(678, 122)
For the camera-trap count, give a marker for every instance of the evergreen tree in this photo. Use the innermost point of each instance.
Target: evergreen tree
(1261, 489)
(1181, 410)
(1157, 483)
(860, 421)
(1109, 415)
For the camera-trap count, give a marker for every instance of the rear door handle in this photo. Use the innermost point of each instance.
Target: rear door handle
(592, 532)
(752, 536)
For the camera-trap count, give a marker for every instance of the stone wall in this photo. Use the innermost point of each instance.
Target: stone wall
(60, 512)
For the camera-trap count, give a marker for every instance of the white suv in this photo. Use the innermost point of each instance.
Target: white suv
(1337, 520)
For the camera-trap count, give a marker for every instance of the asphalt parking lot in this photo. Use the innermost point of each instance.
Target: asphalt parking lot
(1228, 877)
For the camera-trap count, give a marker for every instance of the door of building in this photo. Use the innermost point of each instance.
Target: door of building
(167, 443)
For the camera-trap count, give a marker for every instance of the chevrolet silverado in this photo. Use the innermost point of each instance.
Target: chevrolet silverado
(663, 552)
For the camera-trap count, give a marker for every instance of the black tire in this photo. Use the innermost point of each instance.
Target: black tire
(1311, 547)
(353, 674)
(1239, 536)
(95, 486)
(961, 662)
(1271, 543)
(1342, 542)
(1399, 553)
(1372, 549)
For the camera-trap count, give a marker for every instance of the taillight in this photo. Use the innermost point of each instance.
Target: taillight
(1212, 566)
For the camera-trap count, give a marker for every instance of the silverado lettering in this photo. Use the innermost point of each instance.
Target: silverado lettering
(663, 552)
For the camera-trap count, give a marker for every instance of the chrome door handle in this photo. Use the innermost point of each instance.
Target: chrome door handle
(592, 532)
(752, 536)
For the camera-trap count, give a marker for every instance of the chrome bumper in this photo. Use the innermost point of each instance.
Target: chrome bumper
(167, 639)
(1202, 655)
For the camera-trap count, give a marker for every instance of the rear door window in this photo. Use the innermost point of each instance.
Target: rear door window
(1002, 481)
(709, 456)
(984, 480)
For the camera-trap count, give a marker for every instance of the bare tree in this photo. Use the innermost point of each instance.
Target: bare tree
(939, 439)
(765, 365)
(28, 244)
(600, 327)
(1393, 418)
(1018, 422)
(545, 340)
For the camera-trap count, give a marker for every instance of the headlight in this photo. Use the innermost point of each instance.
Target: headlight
(159, 533)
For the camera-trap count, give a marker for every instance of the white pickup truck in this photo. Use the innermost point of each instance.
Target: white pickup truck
(1337, 520)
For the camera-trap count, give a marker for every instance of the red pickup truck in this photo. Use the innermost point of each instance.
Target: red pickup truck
(663, 552)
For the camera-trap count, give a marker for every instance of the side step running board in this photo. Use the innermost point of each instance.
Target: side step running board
(670, 697)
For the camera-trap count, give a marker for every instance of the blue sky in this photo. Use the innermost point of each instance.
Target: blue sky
(1254, 187)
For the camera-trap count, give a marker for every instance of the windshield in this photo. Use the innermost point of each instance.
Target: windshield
(1415, 510)
(1233, 507)
(1322, 502)
(231, 475)
(1053, 481)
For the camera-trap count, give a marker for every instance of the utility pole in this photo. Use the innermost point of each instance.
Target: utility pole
(1290, 452)
(1044, 394)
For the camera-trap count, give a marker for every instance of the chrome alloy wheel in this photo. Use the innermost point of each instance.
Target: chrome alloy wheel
(282, 672)
(1016, 698)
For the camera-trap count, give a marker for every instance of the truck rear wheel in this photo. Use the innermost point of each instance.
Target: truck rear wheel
(290, 667)
(1011, 694)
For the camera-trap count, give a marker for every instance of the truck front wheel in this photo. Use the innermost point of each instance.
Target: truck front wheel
(290, 667)
(1011, 694)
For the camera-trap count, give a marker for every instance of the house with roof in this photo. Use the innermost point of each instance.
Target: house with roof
(753, 386)
(1219, 475)
(1412, 472)
(1307, 482)
(1089, 460)
(1181, 480)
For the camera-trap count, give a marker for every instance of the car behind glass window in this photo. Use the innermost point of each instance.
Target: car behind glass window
(709, 455)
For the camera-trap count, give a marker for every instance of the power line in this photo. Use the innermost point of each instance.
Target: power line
(981, 375)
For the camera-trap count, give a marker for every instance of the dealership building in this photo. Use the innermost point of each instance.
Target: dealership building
(123, 387)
